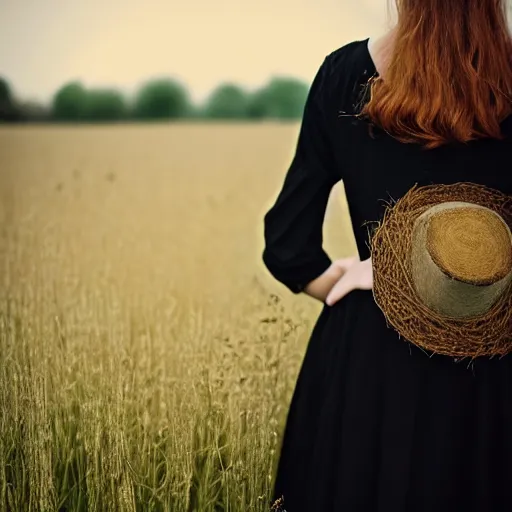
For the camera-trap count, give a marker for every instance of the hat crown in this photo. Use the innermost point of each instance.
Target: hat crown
(461, 258)
(471, 244)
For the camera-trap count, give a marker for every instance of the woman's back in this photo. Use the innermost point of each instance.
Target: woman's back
(379, 168)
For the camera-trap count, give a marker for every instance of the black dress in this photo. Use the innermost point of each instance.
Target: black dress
(375, 424)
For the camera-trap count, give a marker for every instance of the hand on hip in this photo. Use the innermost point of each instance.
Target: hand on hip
(356, 275)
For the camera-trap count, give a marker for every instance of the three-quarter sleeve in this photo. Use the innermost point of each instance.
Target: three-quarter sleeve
(293, 227)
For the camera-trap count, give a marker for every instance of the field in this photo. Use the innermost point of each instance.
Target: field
(147, 358)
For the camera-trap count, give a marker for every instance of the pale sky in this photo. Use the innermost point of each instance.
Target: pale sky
(121, 43)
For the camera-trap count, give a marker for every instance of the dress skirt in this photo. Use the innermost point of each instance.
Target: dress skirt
(378, 425)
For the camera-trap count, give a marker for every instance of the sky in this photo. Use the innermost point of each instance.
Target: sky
(201, 43)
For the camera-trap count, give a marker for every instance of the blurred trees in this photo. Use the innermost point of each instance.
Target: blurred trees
(104, 105)
(227, 101)
(8, 107)
(13, 111)
(161, 99)
(73, 102)
(69, 102)
(32, 111)
(158, 99)
(281, 98)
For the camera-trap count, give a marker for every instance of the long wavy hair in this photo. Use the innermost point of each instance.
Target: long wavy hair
(449, 74)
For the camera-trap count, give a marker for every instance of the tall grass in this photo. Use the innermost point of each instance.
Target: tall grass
(146, 359)
(109, 419)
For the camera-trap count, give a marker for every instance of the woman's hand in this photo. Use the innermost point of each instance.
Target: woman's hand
(356, 275)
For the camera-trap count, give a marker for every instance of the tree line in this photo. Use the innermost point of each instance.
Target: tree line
(159, 99)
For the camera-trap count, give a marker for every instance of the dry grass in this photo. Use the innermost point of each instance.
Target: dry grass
(147, 358)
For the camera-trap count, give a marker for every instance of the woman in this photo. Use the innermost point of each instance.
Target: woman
(375, 423)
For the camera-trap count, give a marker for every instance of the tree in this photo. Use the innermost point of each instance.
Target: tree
(69, 103)
(228, 101)
(161, 99)
(104, 105)
(257, 108)
(281, 98)
(8, 109)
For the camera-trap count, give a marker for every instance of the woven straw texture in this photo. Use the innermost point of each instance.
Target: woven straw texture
(488, 334)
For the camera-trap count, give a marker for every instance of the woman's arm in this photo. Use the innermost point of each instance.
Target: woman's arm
(293, 227)
(293, 238)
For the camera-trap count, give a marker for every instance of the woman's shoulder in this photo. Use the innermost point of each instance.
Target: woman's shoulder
(346, 69)
(351, 54)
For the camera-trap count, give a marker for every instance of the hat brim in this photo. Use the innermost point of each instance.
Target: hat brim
(489, 334)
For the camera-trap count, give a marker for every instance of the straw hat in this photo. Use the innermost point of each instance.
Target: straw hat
(442, 269)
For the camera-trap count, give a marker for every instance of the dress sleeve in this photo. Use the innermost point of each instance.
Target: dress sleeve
(293, 227)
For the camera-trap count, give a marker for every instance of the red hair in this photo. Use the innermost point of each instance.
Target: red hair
(449, 76)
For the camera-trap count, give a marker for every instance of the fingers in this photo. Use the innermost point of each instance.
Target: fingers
(344, 286)
(357, 275)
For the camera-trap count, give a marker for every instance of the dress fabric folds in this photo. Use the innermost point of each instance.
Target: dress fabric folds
(375, 424)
